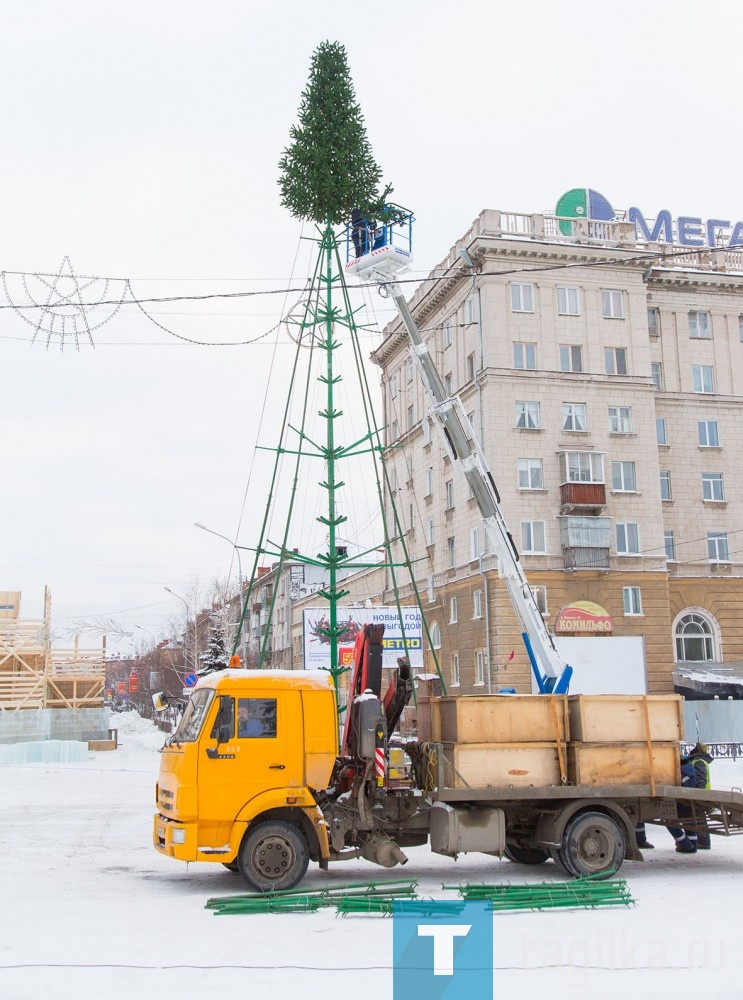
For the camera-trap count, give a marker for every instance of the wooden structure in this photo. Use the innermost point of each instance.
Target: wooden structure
(517, 741)
(33, 674)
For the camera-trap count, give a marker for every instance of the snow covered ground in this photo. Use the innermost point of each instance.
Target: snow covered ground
(88, 909)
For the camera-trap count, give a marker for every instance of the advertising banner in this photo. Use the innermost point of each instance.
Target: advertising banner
(584, 617)
(317, 644)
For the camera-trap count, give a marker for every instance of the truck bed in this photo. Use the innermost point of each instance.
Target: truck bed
(724, 809)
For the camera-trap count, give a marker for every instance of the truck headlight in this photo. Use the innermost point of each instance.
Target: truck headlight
(179, 836)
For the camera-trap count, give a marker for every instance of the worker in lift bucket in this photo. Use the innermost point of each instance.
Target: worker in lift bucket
(359, 233)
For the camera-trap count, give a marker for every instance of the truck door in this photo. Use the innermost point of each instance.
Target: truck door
(252, 744)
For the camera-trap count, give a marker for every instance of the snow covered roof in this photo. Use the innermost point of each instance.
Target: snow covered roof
(257, 678)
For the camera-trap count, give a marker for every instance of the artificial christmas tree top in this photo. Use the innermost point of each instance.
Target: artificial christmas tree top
(329, 169)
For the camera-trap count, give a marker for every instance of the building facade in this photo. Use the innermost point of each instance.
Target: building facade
(603, 376)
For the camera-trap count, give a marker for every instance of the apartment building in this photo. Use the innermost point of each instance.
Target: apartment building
(603, 375)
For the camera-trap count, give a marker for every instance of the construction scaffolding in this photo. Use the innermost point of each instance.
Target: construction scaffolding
(33, 675)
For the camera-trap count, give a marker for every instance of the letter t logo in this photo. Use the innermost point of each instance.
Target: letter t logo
(443, 944)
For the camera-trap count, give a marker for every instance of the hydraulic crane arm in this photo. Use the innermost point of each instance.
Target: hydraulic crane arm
(551, 672)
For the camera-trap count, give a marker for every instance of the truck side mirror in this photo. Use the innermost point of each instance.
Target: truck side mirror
(159, 701)
(224, 724)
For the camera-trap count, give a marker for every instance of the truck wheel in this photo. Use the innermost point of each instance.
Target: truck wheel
(273, 855)
(526, 855)
(557, 855)
(593, 844)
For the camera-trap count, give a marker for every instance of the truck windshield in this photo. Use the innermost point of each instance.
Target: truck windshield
(193, 717)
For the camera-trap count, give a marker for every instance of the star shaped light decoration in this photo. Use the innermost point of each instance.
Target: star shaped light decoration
(63, 306)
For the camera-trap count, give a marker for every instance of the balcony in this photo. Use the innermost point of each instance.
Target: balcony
(580, 557)
(585, 541)
(584, 497)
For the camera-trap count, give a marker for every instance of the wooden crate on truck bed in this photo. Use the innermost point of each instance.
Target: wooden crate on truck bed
(501, 765)
(428, 713)
(500, 718)
(626, 718)
(623, 764)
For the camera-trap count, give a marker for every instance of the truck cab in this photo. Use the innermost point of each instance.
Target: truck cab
(238, 776)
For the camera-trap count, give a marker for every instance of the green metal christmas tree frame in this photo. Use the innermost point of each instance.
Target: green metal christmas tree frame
(327, 172)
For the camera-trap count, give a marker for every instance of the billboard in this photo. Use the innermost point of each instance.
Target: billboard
(317, 645)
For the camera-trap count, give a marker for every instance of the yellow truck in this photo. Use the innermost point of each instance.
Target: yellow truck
(253, 777)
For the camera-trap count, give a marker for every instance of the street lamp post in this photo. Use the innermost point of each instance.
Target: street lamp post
(185, 632)
(149, 633)
(236, 547)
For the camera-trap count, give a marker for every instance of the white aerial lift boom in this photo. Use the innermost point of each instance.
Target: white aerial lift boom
(386, 252)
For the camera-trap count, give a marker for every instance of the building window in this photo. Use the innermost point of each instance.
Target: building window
(522, 298)
(447, 384)
(470, 367)
(708, 434)
(524, 355)
(449, 491)
(531, 474)
(430, 532)
(571, 358)
(429, 481)
(568, 302)
(393, 386)
(426, 431)
(615, 360)
(435, 631)
(411, 417)
(533, 536)
(455, 677)
(628, 539)
(453, 611)
(700, 325)
(632, 600)
(694, 639)
(712, 488)
(395, 430)
(656, 372)
(540, 598)
(612, 303)
(451, 544)
(740, 326)
(665, 485)
(717, 546)
(669, 540)
(703, 378)
(661, 434)
(623, 477)
(431, 587)
(620, 419)
(581, 467)
(654, 322)
(474, 544)
(447, 333)
(477, 604)
(574, 417)
(479, 667)
(409, 370)
(527, 416)
(470, 310)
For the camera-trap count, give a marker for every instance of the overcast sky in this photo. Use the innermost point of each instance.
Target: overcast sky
(141, 142)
